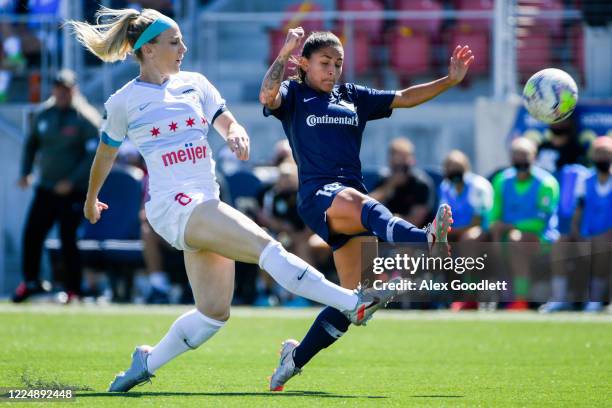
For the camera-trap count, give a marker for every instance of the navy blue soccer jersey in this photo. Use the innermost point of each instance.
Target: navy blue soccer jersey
(325, 129)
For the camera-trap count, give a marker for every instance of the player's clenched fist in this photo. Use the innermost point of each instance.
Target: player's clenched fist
(93, 209)
(294, 37)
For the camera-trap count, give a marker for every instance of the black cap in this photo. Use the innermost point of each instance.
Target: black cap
(65, 77)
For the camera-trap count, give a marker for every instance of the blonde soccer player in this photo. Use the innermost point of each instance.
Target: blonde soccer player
(167, 113)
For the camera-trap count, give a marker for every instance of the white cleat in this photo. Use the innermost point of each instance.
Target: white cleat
(437, 231)
(286, 367)
(136, 374)
(370, 300)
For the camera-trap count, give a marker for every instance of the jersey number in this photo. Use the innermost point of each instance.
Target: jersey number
(328, 190)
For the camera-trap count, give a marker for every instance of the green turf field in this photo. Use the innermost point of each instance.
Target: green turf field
(400, 359)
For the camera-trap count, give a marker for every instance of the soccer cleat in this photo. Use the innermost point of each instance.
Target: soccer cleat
(437, 231)
(552, 307)
(459, 306)
(28, 289)
(286, 367)
(136, 374)
(594, 307)
(518, 306)
(369, 301)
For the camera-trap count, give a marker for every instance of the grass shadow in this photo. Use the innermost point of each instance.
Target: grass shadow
(32, 381)
(318, 394)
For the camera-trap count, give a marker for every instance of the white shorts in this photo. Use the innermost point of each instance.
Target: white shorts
(168, 214)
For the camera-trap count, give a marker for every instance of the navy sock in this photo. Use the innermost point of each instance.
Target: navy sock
(379, 220)
(328, 327)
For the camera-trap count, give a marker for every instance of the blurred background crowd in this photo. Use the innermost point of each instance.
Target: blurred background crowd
(507, 177)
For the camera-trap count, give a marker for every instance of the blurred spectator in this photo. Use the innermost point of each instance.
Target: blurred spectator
(279, 210)
(592, 223)
(48, 10)
(471, 198)
(11, 58)
(30, 44)
(561, 147)
(279, 215)
(62, 140)
(564, 156)
(469, 195)
(525, 197)
(282, 152)
(524, 210)
(595, 193)
(408, 191)
(595, 220)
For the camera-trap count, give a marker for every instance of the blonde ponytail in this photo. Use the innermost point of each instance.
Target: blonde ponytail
(113, 36)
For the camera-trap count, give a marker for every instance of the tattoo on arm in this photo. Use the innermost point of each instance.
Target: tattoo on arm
(272, 80)
(275, 74)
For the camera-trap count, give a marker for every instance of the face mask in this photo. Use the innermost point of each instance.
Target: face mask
(560, 131)
(455, 176)
(400, 169)
(522, 167)
(602, 166)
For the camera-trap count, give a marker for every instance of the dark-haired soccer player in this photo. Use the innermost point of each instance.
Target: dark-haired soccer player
(324, 123)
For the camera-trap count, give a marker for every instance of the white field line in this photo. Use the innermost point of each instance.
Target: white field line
(303, 313)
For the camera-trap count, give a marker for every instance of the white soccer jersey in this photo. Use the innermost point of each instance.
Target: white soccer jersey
(168, 124)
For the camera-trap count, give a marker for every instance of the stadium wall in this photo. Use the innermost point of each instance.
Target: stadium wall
(14, 204)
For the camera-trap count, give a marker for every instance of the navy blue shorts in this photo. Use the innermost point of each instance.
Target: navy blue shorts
(315, 199)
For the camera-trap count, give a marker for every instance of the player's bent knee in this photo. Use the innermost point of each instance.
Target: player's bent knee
(216, 312)
(347, 205)
(222, 316)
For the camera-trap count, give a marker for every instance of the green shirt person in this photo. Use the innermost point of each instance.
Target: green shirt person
(526, 197)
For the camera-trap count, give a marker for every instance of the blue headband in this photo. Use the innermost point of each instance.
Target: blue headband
(153, 30)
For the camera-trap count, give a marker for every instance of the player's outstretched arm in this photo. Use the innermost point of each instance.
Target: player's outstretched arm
(460, 62)
(102, 164)
(268, 94)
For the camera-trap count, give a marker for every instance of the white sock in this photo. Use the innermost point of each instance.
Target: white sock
(187, 332)
(298, 277)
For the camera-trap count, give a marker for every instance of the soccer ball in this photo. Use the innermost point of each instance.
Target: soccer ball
(550, 95)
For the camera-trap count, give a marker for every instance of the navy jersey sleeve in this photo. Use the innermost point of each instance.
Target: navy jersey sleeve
(373, 103)
(286, 92)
